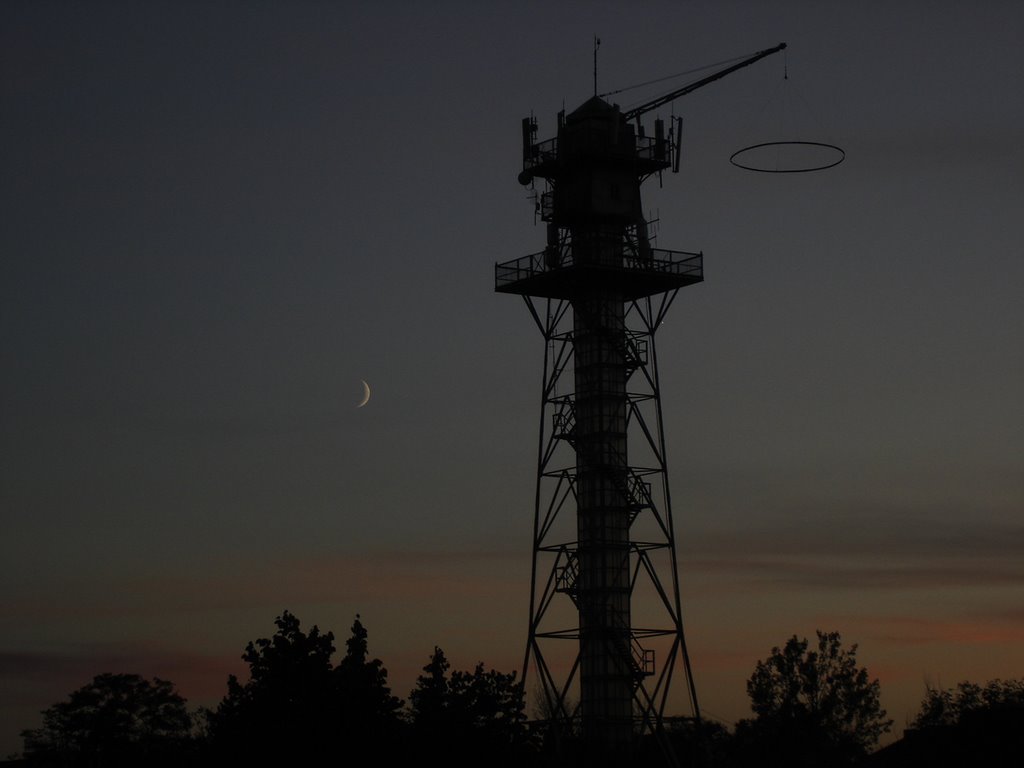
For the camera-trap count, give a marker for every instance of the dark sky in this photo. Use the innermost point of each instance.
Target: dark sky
(218, 218)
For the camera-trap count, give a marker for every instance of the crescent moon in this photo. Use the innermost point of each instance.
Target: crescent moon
(366, 395)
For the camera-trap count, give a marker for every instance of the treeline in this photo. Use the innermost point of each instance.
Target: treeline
(812, 704)
(296, 705)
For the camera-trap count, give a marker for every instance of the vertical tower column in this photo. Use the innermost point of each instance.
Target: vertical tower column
(603, 587)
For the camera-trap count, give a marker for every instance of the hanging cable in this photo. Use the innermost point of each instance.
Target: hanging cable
(672, 77)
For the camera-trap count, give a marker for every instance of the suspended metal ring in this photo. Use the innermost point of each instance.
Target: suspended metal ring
(750, 165)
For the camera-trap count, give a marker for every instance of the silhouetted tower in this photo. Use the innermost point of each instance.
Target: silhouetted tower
(605, 578)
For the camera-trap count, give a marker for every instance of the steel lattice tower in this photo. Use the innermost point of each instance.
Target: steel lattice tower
(598, 294)
(604, 581)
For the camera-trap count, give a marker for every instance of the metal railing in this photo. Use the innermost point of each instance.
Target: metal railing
(540, 153)
(643, 658)
(647, 148)
(661, 262)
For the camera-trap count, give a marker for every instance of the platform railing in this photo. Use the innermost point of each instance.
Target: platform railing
(661, 262)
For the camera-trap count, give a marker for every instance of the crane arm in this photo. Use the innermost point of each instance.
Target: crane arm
(672, 96)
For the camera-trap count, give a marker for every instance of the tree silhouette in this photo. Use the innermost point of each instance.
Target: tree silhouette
(297, 705)
(116, 720)
(289, 700)
(469, 717)
(370, 713)
(489, 703)
(968, 725)
(429, 700)
(813, 704)
(970, 701)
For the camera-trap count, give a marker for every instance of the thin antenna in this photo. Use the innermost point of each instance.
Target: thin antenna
(597, 44)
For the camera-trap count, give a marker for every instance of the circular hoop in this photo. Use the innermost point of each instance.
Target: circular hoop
(807, 169)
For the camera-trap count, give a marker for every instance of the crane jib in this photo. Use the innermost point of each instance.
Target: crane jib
(673, 95)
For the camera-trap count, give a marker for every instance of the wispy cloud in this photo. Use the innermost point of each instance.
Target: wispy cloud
(823, 572)
(46, 677)
(962, 630)
(372, 578)
(868, 553)
(875, 532)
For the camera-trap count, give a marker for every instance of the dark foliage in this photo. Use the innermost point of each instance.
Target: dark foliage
(694, 743)
(429, 700)
(116, 720)
(970, 702)
(968, 725)
(813, 706)
(369, 712)
(297, 705)
(469, 717)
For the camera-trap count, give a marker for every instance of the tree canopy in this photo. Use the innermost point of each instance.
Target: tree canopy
(115, 720)
(369, 711)
(296, 703)
(971, 702)
(815, 699)
(812, 703)
(469, 715)
(288, 696)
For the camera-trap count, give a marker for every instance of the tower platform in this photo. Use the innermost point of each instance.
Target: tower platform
(635, 277)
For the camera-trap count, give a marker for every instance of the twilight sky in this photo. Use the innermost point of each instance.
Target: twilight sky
(217, 218)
